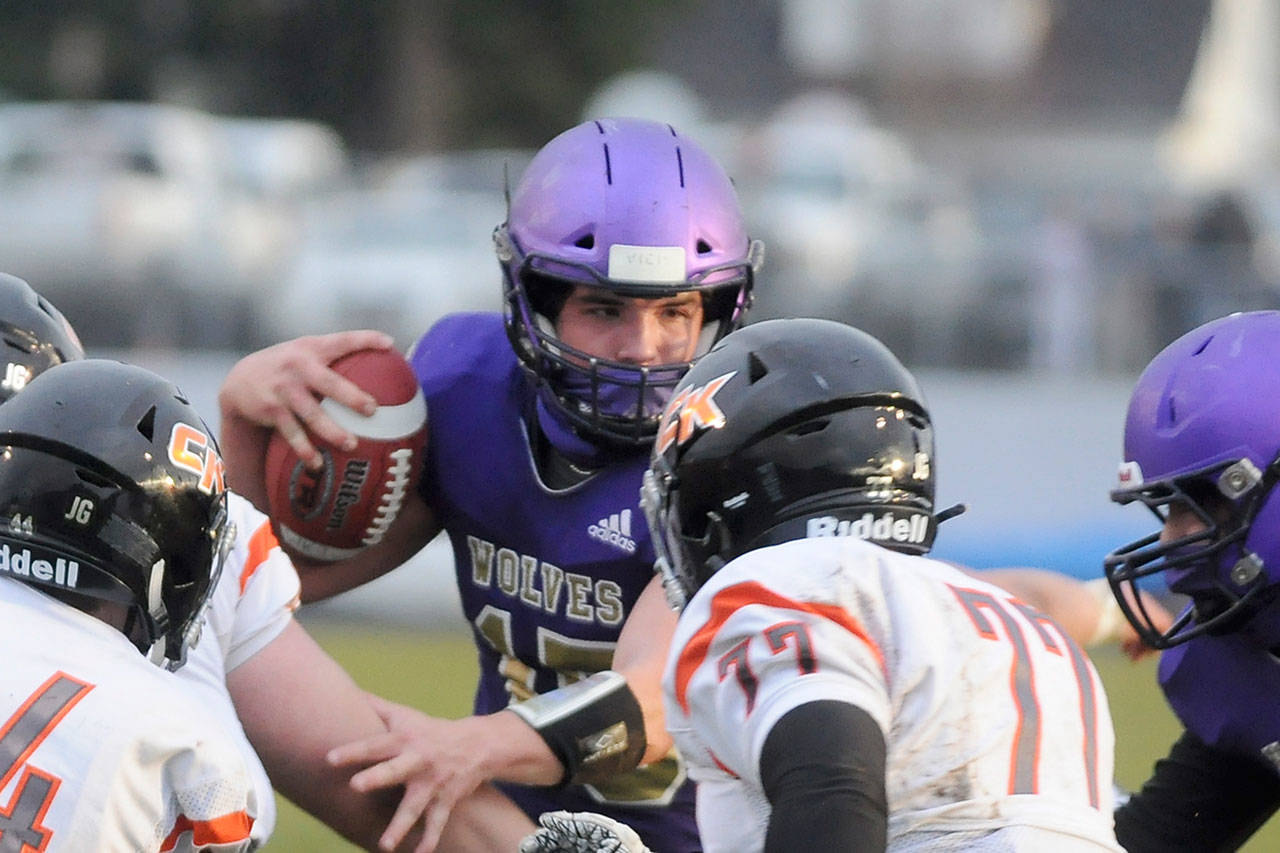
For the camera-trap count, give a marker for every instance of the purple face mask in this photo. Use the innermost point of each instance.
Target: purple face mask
(614, 397)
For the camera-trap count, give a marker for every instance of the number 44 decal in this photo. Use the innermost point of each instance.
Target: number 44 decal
(23, 732)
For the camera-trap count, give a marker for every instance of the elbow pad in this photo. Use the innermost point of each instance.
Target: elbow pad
(594, 726)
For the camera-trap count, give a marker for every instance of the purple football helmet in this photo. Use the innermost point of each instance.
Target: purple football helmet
(1203, 433)
(632, 206)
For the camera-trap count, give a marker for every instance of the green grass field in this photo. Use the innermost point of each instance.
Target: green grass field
(437, 672)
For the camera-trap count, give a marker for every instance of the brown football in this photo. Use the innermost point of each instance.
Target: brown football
(349, 503)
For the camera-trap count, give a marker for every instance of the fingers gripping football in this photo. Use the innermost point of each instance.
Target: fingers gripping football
(350, 501)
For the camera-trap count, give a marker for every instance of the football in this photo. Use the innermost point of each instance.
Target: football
(349, 503)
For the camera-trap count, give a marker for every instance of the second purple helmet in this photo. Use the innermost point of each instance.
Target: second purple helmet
(632, 206)
(1203, 435)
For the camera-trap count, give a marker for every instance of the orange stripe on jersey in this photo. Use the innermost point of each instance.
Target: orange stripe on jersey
(728, 601)
(260, 545)
(715, 758)
(227, 829)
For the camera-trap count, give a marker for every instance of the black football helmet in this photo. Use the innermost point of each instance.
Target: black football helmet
(111, 489)
(788, 429)
(35, 335)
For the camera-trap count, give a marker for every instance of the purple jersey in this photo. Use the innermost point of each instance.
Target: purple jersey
(546, 576)
(1225, 691)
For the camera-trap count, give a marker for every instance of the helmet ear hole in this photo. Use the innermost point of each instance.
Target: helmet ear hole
(147, 424)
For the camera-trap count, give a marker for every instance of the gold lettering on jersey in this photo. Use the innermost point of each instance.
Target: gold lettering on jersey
(608, 603)
(508, 571)
(529, 594)
(577, 607)
(552, 583)
(545, 586)
(481, 560)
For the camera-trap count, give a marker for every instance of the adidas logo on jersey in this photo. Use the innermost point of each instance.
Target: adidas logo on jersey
(615, 530)
(20, 563)
(886, 528)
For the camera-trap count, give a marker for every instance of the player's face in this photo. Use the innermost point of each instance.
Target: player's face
(631, 330)
(1183, 521)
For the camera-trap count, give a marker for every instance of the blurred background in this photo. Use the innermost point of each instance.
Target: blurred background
(1026, 199)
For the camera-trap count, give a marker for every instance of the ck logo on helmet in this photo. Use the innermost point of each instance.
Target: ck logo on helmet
(691, 409)
(191, 450)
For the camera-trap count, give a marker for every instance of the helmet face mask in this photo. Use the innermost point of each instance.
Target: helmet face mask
(629, 207)
(1210, 564)
(112, 491)
(1202, 451)
(788, 429)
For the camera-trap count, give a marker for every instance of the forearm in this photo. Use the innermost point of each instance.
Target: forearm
(412, 529)
(244, 448)
(1198, 799)
(641, 656)
(516, 753)
(295, 704)
(484, 822)
(823, 771)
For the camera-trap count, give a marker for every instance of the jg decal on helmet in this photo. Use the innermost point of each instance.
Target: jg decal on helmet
(633, 207)
(1202, 435)
(788, 429)
(111, 489)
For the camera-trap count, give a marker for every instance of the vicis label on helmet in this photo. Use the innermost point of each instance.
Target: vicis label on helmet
(648, 264)
(888, 527)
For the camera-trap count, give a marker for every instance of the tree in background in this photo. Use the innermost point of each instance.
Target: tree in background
(406, 74)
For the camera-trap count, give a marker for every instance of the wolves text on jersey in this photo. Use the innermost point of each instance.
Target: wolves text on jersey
(543, 586)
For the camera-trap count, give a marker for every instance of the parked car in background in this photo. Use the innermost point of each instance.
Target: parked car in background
(390, 259)
(109, 206)
(855, 225)
(484, 171)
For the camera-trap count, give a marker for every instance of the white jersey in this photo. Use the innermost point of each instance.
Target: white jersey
(997, 728)
(253, 602)
(102, 751)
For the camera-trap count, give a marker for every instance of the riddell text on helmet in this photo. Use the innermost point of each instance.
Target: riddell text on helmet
(887, 528)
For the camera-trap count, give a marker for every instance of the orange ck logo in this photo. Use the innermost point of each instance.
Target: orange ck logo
(691, 409)
(191, 450)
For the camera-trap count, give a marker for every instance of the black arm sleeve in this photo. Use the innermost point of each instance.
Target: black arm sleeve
(822, 766)
(1198, 799)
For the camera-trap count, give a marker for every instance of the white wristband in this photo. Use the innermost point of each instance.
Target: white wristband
(1110, 617)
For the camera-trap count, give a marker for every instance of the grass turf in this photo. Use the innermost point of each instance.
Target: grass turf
(437, 673)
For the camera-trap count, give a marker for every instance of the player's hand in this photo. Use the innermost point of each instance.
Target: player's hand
(437, 761)
(582, 832)
(279, 388)
(1130, 643)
